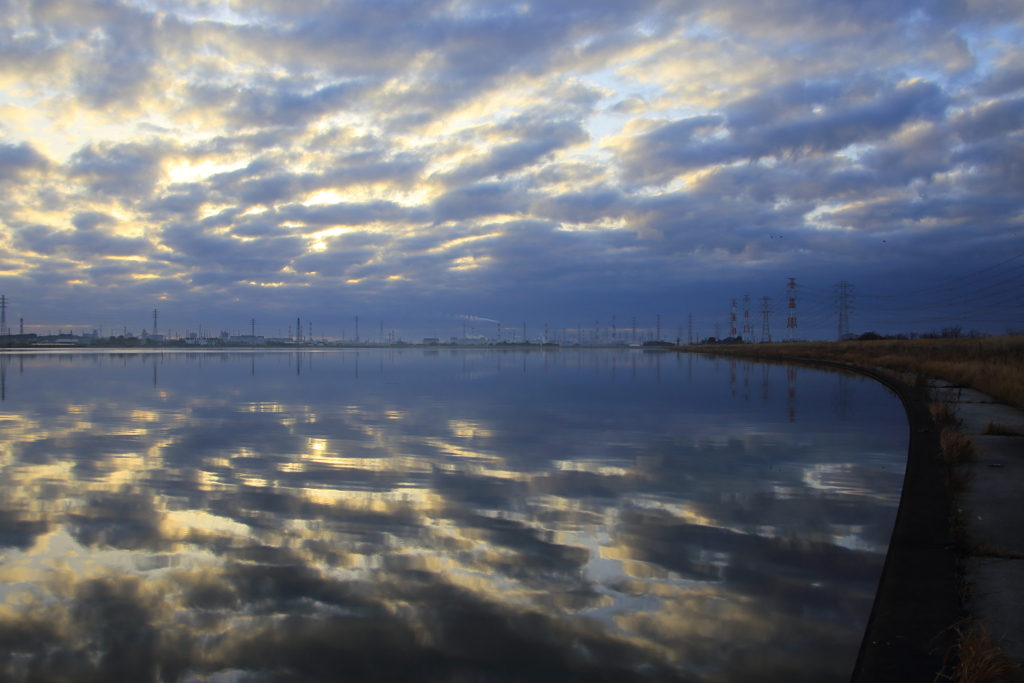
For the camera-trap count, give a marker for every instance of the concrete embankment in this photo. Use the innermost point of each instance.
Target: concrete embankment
(918, 597)
(936, 578)
(953, 562)
(992, 511)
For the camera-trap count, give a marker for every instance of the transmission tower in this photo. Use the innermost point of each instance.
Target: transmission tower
(766, 310)
(614, 329)
(732, 319)
(357, 329)
(689, 328)
(155, 316)
(748, 331)
(254, 330)
(3, 316)
(844, 292)
(792, 332)
(658, 318)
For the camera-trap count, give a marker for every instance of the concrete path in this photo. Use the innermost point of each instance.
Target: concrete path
(993, 507)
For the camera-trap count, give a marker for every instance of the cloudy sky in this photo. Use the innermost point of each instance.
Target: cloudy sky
(559, 162)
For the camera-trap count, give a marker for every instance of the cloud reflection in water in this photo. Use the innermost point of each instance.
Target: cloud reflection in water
(475, 515)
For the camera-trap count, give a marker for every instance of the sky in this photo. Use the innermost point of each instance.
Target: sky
(426, 165)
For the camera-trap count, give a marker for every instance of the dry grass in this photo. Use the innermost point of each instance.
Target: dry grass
(957, 449)
(976, 657)
(992, 365)
(944, 415)
(997, 551)
(999, 429)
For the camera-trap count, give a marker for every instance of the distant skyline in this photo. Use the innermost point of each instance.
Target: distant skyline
(421, 163)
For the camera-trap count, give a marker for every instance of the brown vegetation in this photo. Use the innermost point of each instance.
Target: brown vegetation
(992, 365)
(944, 415)
(976, 657)
(999, 429)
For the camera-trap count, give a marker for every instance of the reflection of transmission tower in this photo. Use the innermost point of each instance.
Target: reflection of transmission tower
(843, 396)
(791, 329)
(766, 310)
(844, 292)
(791, 380)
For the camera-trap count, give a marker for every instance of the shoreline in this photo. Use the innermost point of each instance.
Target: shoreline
(920, 620)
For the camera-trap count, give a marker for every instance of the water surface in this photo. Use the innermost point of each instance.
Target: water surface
(480, 515)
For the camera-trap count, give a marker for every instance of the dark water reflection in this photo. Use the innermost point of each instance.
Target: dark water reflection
(439, 516)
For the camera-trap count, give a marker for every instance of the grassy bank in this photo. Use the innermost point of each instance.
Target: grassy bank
(993, 365)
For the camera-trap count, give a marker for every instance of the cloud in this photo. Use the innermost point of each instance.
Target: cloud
(90, 238)
(783, 122)
(126, 171)
(362, 149)
(276, 103)
(17, 162)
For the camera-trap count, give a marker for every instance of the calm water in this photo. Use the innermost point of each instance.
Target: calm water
(439, 516)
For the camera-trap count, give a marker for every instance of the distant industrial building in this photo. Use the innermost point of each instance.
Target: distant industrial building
(247, 339)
